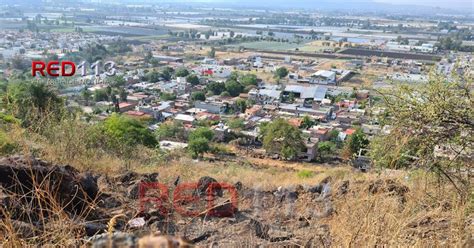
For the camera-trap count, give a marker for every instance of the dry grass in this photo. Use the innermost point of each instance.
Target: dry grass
(427, 217)
(268, 175)
(430, 216)
(40, 220)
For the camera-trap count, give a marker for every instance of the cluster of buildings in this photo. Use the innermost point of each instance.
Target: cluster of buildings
(33, 45)
(423, 48)
(306, 92)
(293, 100)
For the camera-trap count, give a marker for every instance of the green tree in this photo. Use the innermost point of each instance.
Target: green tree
(306, 122)
(192, 79)
(241, 105)
(281, 72)
(30, 101)
(198, 141)
(167, 73)
(127, 131)
(198, 96)
(182, 72)
(198, 146)
(248, 79)
(431, 127)
(123, 94)
(236, 123)
(164, 96)
(356, 141)
(202, 132)
(117, 81)
(153, 76)
(212, 53)
(171, 130)
(334, 137)
(233, 87)
(281, 137)
(118, 47)
(86, 95)
(148, 57)
(216, 88)
(100, 95)
(325, 148)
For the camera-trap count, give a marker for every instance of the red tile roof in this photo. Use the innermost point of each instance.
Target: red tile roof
(350, 131)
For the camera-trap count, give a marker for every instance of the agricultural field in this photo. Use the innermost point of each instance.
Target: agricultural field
(268, 45)
(129, 31)
(71, 29)
(318, 46)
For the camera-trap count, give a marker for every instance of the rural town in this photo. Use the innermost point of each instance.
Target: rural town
(236, 124)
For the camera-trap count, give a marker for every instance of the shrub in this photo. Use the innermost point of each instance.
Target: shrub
(302, 174)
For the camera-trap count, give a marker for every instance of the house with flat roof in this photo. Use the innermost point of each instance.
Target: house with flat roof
(186, 119)
(323, 77)
(211, 106)
(316, 93)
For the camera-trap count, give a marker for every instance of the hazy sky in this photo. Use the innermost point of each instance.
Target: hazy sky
(466, 5)
(434, 3)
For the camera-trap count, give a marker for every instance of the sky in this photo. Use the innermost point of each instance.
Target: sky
(466, 5)
(457, 4)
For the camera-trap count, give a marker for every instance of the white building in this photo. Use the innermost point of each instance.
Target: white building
(323, 77)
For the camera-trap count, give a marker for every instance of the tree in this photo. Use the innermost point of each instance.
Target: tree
(198, 96)
(117, 81)
(100, 95)
(118, 47)
(281, 137)
(127, 131)
(167, 73)
(225, 94)
(212, 53)
(93, 52)
(153, 76)
(202, 132)
(17, 62)
(248, 80)
(356, 141)
(325, 148)
(123, 94)
(170, 130)
(281, 72)
(334, 137)
(431, 127)
(216, 87)
(31, 101)
(233, 87)
(164, 96)
(241, 105)
(306, 122)
(198, 146)
(231, 34)
(192, 79)
(86, 95)
(236, 123)
(148, 57)
(198, 141)
(182, 72)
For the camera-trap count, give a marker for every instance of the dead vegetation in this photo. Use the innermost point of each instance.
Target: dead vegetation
(39, 208)
(94, 201)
